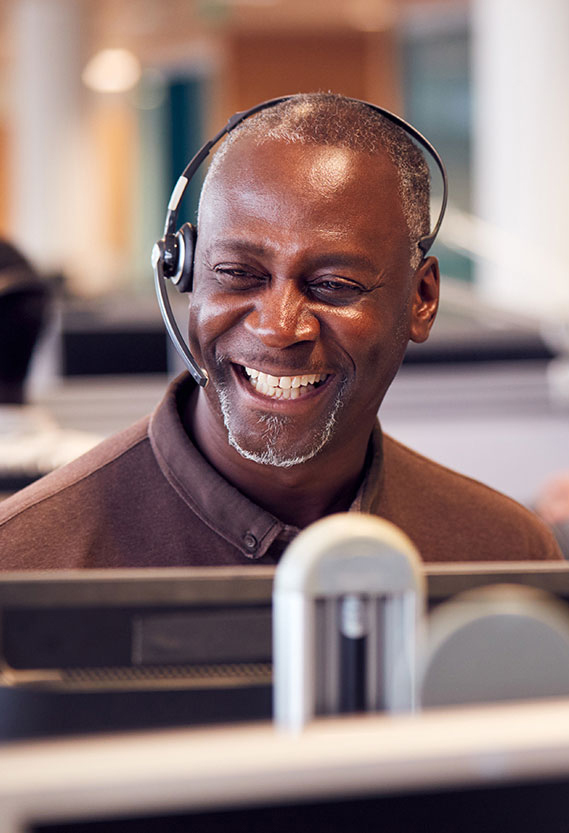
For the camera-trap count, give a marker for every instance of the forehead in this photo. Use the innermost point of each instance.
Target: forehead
(319, 183)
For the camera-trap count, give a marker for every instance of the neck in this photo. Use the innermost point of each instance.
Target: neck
(298, 495)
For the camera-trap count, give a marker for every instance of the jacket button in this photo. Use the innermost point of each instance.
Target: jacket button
(250, 541)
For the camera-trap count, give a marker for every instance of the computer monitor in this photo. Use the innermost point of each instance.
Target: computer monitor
(446, 580)
(100, 650)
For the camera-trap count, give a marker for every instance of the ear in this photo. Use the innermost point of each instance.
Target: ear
(425, 299)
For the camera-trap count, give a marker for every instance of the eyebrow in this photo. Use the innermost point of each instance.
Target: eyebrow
(247, 247)
(238, 246)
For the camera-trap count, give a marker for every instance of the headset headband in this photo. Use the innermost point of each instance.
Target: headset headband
(172, 256)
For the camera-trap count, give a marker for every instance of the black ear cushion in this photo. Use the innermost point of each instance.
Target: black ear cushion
(183, 279)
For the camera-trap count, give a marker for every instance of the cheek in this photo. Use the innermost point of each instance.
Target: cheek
(210, 319)
(383, 327)
(379, 341)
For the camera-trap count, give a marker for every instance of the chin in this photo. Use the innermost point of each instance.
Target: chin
(271, 457)
(272, 444)
(273, 439)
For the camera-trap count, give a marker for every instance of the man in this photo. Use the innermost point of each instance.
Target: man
(31, 442)
(308, 285)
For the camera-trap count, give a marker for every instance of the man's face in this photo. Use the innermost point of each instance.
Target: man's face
(303, 299)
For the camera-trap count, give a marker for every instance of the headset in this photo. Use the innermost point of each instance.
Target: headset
(173, 254)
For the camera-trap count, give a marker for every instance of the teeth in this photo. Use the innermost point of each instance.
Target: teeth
(283, 387)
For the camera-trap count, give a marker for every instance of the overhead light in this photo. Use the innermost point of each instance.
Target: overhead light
(112, 71)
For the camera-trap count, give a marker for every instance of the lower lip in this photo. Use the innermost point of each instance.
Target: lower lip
(278, 404)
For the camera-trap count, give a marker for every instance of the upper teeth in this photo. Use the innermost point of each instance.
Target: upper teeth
(268, 384)
(284, 382)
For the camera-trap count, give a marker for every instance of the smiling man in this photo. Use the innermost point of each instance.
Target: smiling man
(304, 300)
(308, 284)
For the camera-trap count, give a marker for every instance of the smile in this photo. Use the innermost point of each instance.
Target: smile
(283, 387)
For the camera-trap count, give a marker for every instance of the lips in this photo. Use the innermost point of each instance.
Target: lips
(283, 387)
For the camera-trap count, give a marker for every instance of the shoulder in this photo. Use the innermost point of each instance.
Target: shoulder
(86, 466)
(71, 497)
(456, 517)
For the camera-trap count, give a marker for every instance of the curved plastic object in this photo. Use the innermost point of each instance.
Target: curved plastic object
(496, 643)
(346, 576)
(350, 552)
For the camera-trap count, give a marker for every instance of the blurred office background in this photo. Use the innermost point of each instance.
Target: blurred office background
(102, 103)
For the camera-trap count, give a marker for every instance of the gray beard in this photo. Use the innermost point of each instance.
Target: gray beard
(270, 426)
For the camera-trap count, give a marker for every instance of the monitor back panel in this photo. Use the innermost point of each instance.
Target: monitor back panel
(101, 650)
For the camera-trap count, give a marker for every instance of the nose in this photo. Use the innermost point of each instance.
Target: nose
(282, 316)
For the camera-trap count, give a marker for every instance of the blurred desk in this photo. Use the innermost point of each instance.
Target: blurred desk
(496, 768)
(104, 404)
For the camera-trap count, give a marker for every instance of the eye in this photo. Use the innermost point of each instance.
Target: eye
(335, 290)
(237, 277)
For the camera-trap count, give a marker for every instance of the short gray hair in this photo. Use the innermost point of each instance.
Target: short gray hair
(336, 121)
